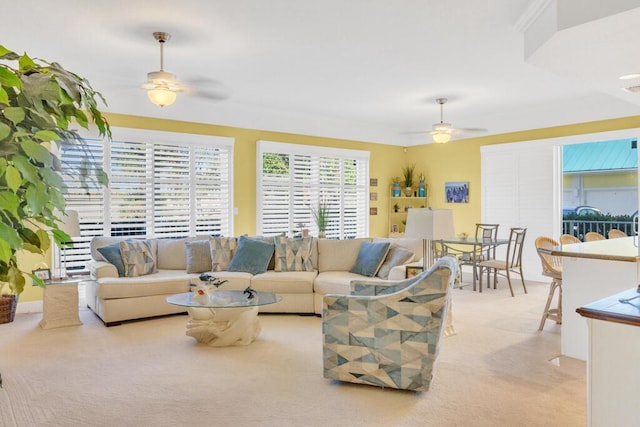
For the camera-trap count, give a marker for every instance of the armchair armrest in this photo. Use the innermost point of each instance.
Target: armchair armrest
(100, 269)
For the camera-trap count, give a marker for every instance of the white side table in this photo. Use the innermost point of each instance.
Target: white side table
(60, 304)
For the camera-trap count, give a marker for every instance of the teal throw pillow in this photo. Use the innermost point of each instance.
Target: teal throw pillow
(251, 256)
(112, 254)
(370, 258)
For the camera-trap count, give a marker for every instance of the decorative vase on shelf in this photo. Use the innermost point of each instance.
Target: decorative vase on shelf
(396, 189)
(322, 235)
(408, 191)
(422, 189)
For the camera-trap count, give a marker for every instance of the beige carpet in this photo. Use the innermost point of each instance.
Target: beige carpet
(496, 371)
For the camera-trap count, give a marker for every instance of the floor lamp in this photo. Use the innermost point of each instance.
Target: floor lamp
(70, 224)
(429, 225)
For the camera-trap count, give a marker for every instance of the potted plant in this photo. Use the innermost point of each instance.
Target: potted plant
(321, 218)
(396, 192)
(407, 174)
(422, 189)
(39, 101)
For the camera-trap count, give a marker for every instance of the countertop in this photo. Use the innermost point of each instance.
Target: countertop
(611, 309)
(621, 249)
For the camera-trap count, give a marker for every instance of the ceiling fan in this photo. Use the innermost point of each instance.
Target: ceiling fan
(163, 86)
(442, 132)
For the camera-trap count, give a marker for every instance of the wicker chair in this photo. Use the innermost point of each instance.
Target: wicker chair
(388, 335)
(511, 265)
(592, 236)
(615, 234)
(567, 239)
(551, 267)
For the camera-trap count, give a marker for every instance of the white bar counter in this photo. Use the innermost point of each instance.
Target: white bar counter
(592, 271)
(613, 372)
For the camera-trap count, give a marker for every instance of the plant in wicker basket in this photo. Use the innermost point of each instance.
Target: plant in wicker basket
(39, 101)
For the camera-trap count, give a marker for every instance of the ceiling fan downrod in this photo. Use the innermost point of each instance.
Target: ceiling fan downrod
(162, 38)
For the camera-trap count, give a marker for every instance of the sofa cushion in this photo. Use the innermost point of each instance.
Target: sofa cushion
(370, 258)
(172, 252)
(222, 249)
(291, 282)
(338, 282)
(137, 258)
(112, 255)
(397, 255)
(293, 254)
(252, 255)
(198, 253)
(338, 255)
(162, 282)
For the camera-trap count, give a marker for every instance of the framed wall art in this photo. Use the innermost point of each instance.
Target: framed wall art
(456, 192)
(413, 270)
(43, 274)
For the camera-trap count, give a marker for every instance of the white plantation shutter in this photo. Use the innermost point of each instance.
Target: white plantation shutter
(130, 183)
(89, 203)
(292, 179)
(171, 190)
(160, 185)
(212, 183)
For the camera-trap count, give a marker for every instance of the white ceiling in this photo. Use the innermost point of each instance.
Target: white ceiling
(355, 69)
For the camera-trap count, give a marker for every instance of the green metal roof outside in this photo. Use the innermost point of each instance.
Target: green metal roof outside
(599, 156)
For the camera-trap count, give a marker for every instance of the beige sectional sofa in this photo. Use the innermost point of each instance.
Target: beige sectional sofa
(115, 299)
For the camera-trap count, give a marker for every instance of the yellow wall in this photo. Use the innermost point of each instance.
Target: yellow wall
(454, 161)
(610, 180)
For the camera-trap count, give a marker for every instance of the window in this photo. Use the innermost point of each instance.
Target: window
(160, 184)
(294, 179)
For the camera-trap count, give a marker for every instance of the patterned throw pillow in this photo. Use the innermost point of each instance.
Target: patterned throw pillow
(222, 249)
(293, 254)
(137, 257)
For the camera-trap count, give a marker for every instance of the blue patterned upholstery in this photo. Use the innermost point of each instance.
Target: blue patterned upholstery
(388, 335)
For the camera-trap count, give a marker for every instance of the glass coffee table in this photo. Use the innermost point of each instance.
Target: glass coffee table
(224, 318)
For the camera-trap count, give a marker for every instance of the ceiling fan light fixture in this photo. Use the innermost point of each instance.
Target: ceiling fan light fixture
(161, 88)
(162, 96)
(441, 137)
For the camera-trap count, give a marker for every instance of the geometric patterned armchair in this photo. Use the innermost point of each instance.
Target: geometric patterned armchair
(388, 335)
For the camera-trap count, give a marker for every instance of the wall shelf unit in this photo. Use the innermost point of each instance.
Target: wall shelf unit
(397, 219)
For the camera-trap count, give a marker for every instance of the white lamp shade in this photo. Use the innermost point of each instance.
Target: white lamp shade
(70, 223)
(429, 224)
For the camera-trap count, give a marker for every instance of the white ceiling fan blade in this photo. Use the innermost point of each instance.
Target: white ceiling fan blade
(207, 88)
(473, 130)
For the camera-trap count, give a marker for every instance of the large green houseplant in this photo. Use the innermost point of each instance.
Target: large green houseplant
(40, 101)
